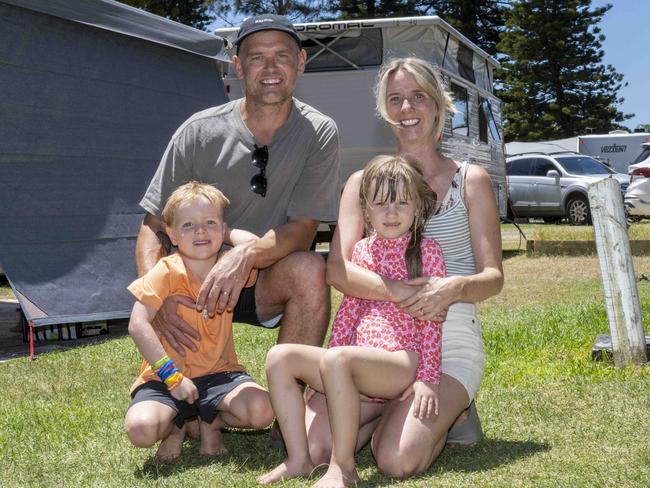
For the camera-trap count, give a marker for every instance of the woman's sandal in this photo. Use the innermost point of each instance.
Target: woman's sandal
(467, 433)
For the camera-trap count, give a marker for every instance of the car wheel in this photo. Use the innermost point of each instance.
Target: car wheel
(578, 210)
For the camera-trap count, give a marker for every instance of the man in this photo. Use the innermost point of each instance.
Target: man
(276, 159)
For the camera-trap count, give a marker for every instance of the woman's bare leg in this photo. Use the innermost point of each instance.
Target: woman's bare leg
(404, 445)
(346, 373)
(285, 364)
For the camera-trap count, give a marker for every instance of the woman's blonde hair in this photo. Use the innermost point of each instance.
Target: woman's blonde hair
(427, 77)
(386, 177)
(189, 192)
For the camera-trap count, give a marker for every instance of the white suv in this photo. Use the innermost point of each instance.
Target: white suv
(554, 185)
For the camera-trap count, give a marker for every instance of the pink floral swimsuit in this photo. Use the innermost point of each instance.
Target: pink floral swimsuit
(381, 324)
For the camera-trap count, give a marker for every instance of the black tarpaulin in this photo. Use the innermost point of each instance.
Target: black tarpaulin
(85, 114)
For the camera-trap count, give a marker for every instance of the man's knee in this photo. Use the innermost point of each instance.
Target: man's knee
(306, 267)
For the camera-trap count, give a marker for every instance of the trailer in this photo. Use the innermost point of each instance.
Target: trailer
(342, 64)
(617, 149)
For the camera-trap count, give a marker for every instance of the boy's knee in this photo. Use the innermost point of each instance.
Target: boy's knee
(142, 430)
(260, 411)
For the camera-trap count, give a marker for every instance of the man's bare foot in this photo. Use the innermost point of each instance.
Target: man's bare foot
(211, 438)
(193, 429)
(336, 478)
(288, 469)
(170, 447)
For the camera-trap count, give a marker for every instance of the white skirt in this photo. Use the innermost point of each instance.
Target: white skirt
(463, 357)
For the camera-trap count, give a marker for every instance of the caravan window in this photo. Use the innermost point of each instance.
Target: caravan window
(486, 120)
(354, 49)
(459, 124)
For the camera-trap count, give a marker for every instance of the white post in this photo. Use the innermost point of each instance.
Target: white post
(619, 282)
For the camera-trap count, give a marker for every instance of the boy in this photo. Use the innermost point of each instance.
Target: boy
(208, 383)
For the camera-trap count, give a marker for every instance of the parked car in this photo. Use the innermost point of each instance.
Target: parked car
(554, 185)
(637, 196)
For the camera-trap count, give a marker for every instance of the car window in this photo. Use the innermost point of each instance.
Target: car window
(520, 167)
(583, 165)
(543, 166)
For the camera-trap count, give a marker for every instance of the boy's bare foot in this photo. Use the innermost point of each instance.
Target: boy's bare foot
(287, 469)
(211, 438)
(170, 447)
(336, 478)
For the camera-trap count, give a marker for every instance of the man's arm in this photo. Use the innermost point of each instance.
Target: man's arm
(221, 288)
(151, 245)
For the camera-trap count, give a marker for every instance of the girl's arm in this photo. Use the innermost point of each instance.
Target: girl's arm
(485, 234)
(342, 273)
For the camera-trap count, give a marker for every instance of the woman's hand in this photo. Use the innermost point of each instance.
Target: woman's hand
(433, 297)
(400, 291)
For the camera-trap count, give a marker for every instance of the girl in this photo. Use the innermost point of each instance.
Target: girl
(376, 350)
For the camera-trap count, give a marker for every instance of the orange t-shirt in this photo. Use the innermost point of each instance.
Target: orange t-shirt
(216, 349)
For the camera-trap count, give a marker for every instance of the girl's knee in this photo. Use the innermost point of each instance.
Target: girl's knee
(334, 360)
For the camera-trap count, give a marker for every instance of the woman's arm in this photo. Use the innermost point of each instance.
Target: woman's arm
(485, 235)
(342, 273)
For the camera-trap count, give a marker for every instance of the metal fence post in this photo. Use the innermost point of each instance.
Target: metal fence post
(616, 267)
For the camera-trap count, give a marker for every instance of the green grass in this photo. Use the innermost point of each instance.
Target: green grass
(552, 417)
(513, 239)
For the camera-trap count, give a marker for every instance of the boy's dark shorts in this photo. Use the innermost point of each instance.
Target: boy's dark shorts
(212, 390)
(246, 312)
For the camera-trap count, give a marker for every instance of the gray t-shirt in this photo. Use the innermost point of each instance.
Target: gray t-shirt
(215, 146)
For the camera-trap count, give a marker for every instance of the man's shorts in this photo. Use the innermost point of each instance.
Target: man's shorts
(213, 388)
(245, 311)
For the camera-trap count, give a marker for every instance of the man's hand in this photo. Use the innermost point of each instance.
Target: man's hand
(425, 400)
(221, 288)
(186, 391)
(172, 327)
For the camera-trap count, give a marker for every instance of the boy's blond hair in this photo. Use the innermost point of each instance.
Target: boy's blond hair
(189, 192)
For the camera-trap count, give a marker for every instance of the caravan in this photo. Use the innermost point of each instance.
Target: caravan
(617, 149)
(343, 60)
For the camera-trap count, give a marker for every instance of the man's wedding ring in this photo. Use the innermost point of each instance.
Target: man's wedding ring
(225, 293)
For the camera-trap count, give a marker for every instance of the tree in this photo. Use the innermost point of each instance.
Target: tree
(195, 13)
(370, 9)
(554, 82)
(481, 21)
(303, 10)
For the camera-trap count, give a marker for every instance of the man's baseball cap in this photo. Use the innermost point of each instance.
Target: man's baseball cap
(264, 22)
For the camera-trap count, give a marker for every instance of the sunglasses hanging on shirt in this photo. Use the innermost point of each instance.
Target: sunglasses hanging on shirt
(260, 157)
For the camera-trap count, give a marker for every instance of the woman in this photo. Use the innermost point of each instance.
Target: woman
(412, 99)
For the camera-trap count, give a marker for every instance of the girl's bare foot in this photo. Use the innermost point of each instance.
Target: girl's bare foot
(170, 447)
(288, 469)
(336, 478)
(211, 439)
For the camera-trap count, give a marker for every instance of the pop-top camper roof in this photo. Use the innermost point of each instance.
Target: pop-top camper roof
(358, 43)
(92, 91)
